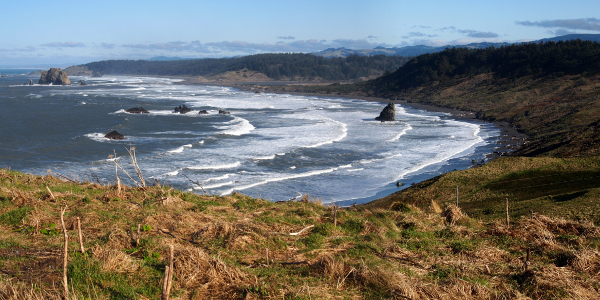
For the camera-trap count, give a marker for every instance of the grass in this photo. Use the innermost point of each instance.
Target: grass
(560, 187)
(220, 245)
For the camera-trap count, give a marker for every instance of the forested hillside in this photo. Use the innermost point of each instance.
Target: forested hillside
(275, 66)
(511, 62)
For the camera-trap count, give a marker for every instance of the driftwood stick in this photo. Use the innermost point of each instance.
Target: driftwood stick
(168, 276)
(51, 195)
(80, 235)
(267, 256)
(507, 216)
(165, 294)
(301, 231)
(65, 252)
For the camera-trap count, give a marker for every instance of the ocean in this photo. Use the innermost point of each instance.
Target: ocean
(272, 146)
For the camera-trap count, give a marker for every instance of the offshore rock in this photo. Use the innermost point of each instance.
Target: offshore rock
(114, 136)
(203, 112)
(30, 82)
(81, 82)
(137, 110)
(182, 109)
(388, 113)
(54, 76)
(223, 112)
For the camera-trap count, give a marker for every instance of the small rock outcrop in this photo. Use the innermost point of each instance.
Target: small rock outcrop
(114, 136)
(81, 82)
(54, 76)
(222, 112)
(182, 109)
(137, 110)
(203, 112)
(30, 82)
(388, 113)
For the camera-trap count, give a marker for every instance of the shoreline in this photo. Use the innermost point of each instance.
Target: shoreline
(508, 141)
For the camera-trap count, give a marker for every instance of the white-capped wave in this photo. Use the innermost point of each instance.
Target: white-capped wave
(216, 167)
(264, 157)
(218, 178)
(217, 185)
(355, 170)
(240, 127)
(174, 173)
(178, 150)
(399, 135)
(341, 136)
(276, 179)
(98, 137)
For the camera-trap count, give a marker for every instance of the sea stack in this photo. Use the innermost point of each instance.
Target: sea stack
(388, 113)
(54, 76)
(114, 136)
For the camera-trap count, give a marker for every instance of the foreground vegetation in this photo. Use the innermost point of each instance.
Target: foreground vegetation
(220, 244)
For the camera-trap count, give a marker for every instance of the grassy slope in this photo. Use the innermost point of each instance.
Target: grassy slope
(220, 245)
(559, 187)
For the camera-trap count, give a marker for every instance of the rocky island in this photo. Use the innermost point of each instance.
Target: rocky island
(387, 114)
(54, 76)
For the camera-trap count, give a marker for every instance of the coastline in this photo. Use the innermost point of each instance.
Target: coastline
(508, 141)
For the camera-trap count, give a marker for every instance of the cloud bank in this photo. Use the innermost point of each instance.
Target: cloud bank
(592, 24)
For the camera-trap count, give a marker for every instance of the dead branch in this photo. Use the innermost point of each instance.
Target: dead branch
(51, 195)
(65, 177)
(196, 183)
(168, 276)
(80, 235)
(137, 169)
(301, 231)
(66, 253)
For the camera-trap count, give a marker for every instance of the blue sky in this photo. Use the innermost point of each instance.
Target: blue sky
(73, 32)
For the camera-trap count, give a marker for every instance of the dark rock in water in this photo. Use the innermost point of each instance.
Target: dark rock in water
(54, 76)
(388, 113)
(81, 82)
(222, 112)
(399, 184)
(182, 109)
(30, 82)
(203, 112)
(115, 136)
(137, 110)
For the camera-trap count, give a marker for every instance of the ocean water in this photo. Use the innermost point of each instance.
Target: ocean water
(273, 146)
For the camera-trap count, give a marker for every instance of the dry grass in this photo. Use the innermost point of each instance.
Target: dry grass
(220, 245)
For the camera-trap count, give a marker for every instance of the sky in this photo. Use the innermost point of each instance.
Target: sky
(64, 33)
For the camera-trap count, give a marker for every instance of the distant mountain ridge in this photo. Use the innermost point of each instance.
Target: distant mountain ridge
(423, 49)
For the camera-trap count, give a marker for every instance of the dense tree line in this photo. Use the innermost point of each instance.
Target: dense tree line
(274, 66)
(511, 62)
